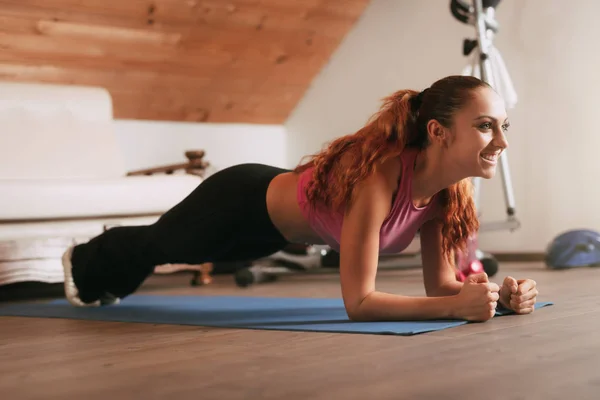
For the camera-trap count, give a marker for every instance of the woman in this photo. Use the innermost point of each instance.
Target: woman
(367, 193)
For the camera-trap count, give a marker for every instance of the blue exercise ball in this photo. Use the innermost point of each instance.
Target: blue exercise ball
(574, 248)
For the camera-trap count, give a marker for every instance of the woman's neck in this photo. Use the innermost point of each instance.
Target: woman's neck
(431, 175)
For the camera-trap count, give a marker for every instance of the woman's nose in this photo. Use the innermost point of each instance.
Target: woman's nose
(500, 140)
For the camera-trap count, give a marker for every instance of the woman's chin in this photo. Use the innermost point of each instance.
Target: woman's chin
(487, 172)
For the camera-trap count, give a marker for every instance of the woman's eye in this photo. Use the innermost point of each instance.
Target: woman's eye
(486, 125)
(505, 127)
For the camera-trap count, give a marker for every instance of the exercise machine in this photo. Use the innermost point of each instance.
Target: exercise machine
(488, 65)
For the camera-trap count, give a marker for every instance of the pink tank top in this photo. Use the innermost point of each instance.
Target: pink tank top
(398, 229)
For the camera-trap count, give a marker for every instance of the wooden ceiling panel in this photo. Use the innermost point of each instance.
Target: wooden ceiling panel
(181, 60)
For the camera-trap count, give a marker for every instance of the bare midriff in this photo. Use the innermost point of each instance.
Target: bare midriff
(282, 204)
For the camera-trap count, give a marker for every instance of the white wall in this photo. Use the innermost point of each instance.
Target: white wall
(550, 48)
(152, 143)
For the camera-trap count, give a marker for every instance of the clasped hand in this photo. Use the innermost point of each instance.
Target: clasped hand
(478, 298)
(518, 295)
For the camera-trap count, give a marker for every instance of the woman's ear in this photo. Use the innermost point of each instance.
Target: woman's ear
(437, 133)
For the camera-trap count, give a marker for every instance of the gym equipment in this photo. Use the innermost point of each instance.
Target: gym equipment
(489, 67)
(322, 259)
(307, 259)
(573, 249)
(266, 313)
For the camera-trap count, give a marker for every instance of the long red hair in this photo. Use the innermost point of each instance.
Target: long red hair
(400, 123)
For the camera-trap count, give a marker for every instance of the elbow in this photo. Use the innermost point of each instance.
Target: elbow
(356, 310)
(355, 315)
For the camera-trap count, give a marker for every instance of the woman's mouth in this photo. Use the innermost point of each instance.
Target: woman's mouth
(491, 158)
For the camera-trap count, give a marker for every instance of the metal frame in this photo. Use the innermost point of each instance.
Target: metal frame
(481, 15)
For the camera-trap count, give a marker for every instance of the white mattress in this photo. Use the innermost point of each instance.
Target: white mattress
(30, 199)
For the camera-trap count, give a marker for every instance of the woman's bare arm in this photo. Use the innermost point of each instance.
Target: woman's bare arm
(439, 276)
(359, 254)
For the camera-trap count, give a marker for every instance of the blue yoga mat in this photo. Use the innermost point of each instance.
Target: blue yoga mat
(288, 314)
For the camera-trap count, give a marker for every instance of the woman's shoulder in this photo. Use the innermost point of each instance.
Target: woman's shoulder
(397, 166)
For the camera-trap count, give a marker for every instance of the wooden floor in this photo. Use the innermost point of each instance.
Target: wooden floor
(551, 354)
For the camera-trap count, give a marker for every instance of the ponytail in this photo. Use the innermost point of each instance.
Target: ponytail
(350, 159)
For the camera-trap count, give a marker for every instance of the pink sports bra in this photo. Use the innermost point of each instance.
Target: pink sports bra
(398, 229)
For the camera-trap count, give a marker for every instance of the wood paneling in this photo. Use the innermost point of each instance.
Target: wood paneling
(181, 60)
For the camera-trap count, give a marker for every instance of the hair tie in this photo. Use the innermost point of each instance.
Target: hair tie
(417, 100)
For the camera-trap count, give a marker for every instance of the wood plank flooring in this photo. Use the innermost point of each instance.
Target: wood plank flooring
(552, 354)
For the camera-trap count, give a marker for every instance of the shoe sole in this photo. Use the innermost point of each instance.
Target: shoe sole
(109, 300)
(71, 292)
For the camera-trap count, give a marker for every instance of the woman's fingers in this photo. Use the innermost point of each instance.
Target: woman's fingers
(493, 296)
(521, 306)
(525, 285)
(524, 297)
(525, 310)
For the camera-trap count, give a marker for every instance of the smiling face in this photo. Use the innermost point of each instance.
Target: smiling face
(474, 141)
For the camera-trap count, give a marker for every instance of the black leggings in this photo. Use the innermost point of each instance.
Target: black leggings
(224, 219)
